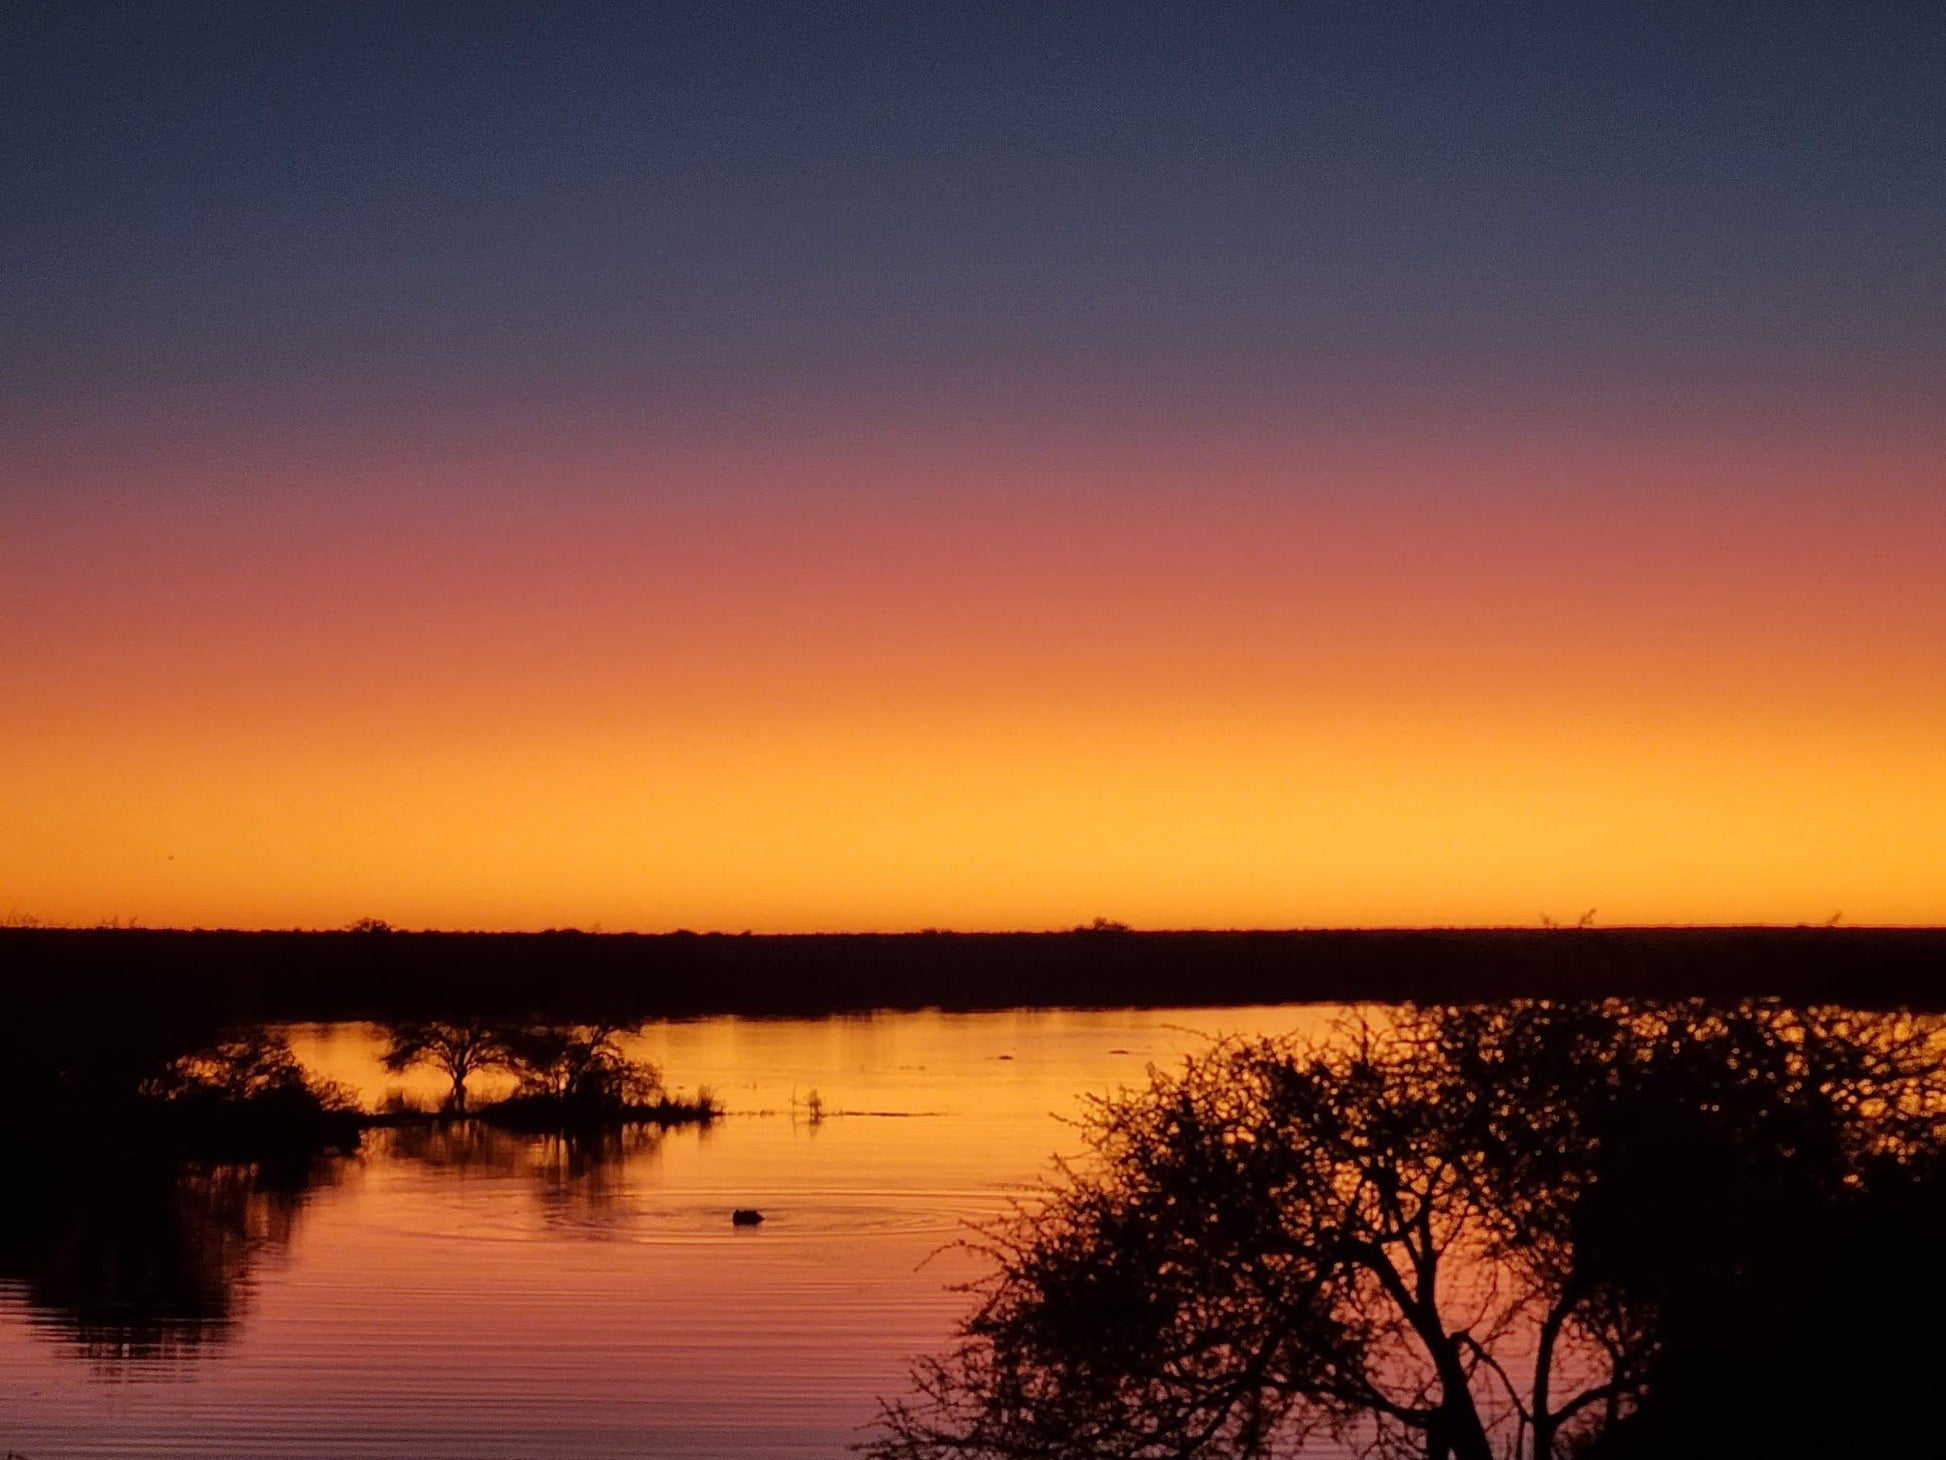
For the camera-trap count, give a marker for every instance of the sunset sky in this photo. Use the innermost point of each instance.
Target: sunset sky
(810, 467)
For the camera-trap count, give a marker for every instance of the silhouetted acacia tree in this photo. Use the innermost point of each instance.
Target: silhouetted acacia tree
(580, 1066)
(1419, 1237)
(458, 1048)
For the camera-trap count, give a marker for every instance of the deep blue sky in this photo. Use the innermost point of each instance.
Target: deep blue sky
(322, 211)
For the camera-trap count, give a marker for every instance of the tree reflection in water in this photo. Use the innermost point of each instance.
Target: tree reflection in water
(161, 1157)
(137, 1264)
(579, 1177)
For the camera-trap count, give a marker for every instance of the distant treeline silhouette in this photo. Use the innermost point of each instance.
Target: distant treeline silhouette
(583, 976)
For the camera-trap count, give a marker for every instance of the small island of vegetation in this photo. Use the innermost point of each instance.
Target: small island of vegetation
(175, 1084)
(569, 1077)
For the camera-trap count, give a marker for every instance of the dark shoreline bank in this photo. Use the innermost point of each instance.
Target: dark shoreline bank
(389, 975)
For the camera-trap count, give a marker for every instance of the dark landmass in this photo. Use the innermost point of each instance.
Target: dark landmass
(393, 975)
(544, 1115)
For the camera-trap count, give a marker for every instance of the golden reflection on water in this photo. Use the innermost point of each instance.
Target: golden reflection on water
(472, 1294)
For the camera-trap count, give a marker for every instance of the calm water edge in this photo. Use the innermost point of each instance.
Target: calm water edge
(472, 1295)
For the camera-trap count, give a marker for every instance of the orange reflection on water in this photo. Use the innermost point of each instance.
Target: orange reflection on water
(472, 1295)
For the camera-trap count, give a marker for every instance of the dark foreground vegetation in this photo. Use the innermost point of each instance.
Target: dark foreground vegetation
(381, 975)
(1519, 1231)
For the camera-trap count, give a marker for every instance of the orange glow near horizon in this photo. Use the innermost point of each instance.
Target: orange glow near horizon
(1426, 683)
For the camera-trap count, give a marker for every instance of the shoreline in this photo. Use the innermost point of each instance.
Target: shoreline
(332, 976)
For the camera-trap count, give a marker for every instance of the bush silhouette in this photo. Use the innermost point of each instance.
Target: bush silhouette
(1467, 1232)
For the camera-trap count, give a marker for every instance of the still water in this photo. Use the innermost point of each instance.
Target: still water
(472, 1295)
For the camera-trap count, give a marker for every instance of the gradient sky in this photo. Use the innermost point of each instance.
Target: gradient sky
(989, 465)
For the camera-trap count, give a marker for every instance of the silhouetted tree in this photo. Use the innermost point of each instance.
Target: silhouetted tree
(1757, 1183)
(1822, 1341)
(459, 1049)
(1662, 1169)
(1423, 1236)
(580, 1067)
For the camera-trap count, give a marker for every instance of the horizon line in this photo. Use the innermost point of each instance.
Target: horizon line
(1100, 928)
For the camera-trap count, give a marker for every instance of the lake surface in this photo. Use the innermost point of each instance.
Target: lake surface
(474, 1295)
